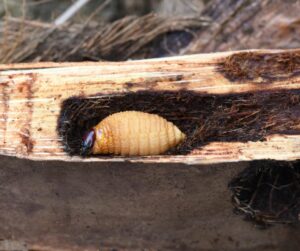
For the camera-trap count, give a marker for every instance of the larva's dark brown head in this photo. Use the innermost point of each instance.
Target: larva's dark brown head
(88, 141)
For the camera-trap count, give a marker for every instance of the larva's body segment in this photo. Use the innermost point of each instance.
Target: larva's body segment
(133, 133)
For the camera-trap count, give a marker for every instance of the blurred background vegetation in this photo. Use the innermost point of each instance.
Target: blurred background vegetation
(119, 30)
(99, 30)
(49, 10)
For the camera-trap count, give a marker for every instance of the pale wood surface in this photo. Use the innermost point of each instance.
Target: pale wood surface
(31, 97)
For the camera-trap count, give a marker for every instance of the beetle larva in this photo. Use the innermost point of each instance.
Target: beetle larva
(132, 133)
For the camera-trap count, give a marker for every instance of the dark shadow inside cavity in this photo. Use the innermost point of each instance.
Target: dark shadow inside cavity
(268, 192)
(203, 118)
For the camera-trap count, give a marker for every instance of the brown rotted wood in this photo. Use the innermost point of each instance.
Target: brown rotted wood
(32, 94)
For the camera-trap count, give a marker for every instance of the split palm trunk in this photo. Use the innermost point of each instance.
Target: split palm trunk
(232, 106)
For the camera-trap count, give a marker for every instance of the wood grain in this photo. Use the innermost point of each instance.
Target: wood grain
(32, 94)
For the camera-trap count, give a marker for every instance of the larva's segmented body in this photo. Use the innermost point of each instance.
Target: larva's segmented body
(133, 133)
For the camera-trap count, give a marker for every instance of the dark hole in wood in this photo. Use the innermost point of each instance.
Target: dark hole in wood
(262, 68)
(204, 118)
(268, 192)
